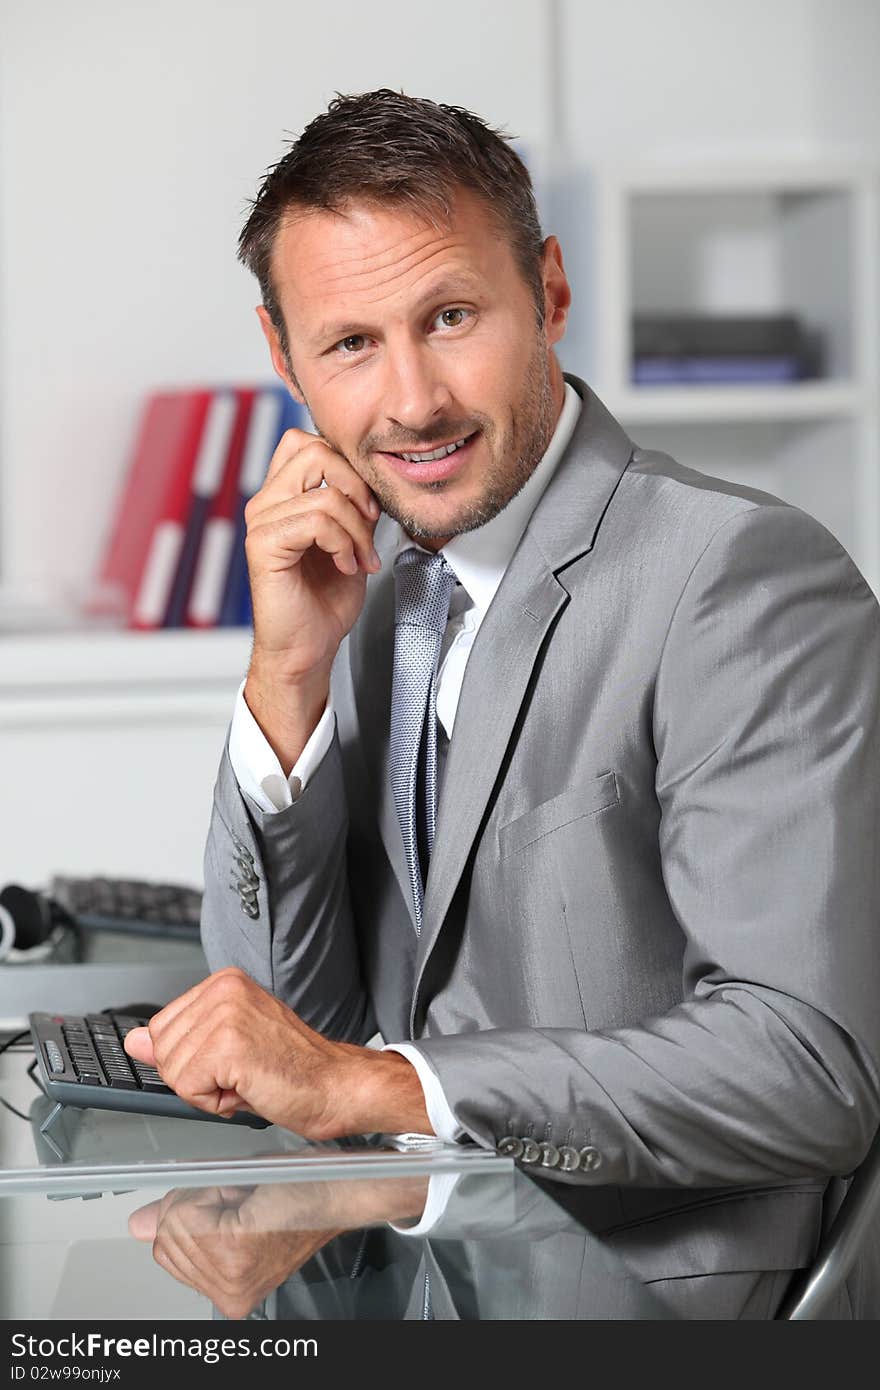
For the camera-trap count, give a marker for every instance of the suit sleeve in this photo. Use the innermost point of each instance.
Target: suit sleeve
(298, 939)
(767, 737)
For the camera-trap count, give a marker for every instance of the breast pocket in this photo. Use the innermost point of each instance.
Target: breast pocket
(573, 805)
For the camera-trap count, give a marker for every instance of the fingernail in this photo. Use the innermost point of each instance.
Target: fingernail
(374, 556)
(374, 508)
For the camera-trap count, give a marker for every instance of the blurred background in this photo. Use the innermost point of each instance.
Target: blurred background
(709, 168)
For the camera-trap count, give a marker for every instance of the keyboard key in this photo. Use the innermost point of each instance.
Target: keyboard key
(146, 1073)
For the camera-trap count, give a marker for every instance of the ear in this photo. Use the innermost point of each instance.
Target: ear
(557, 291)
(278, 361)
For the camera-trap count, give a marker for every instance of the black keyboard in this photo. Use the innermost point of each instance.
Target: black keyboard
(82, 1062)
(129, 905)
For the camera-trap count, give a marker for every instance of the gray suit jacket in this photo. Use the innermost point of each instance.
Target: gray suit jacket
(650, 926)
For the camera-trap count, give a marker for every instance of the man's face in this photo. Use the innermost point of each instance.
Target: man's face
(404, 338)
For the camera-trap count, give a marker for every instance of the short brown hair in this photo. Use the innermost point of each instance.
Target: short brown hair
(387, 147)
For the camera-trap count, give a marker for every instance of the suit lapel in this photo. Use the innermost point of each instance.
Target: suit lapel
(562, 528)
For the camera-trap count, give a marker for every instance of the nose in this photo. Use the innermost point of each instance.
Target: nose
(415, 390)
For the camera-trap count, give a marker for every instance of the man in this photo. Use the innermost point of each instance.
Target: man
(588, 835)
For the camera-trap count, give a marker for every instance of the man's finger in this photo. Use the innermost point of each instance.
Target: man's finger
(139, 1045)
(160, 1021)
(286, 531)
(304, 466)
(144, 1223)
(291, 443)
(188, 1060)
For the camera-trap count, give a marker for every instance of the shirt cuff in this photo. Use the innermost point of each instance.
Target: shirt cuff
(257, 769)
(446, 1126)
(440, 1188)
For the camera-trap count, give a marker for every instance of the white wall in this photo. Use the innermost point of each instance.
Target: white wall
(707, 77)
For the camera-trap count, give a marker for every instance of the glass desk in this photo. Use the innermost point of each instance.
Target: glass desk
(142, 1217)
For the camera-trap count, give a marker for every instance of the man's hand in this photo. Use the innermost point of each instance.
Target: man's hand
(309, 550)
(228, 1045)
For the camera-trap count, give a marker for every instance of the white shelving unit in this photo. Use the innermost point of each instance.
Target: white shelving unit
(800, 238)
(116, 677)
(110, 743)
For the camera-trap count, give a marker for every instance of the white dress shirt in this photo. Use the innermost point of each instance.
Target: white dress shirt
(479, 559)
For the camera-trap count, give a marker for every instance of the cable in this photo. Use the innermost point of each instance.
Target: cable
(4, 1047)
(7, 1106)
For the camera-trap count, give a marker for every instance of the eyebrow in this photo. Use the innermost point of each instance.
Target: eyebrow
(332, 332)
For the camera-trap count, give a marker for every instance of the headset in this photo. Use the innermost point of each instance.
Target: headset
(34, 927)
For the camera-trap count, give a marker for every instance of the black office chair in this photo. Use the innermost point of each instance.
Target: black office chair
(813, 1289)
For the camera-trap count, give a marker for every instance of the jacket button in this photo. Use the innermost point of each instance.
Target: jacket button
(549, 1155)
(590, 1159)
(531, 1151)
(510, 1146)
(569, 1158)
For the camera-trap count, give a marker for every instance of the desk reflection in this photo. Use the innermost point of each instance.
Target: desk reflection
(497, 1248)
(235, 1245)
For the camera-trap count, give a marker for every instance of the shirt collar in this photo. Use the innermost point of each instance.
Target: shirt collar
(480, 557)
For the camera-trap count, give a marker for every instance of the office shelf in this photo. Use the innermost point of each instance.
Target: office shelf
(801, 237)
(120, 676)
(814, 400)
(121, 659)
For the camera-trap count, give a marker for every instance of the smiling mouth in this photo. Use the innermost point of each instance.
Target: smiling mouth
(439, 451)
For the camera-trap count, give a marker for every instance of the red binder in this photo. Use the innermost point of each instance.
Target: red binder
(145, 541)
(218, 535)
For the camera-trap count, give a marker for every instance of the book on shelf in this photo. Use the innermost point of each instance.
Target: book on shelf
(274, 411)
(650, 371)
(153, 500)
(723, 348)
(212, 560)
(174, 586)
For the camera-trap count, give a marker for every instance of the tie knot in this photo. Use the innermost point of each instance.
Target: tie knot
(423, 588)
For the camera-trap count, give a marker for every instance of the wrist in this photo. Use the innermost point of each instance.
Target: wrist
(275, 684)
(286, 710)
(377, 1093)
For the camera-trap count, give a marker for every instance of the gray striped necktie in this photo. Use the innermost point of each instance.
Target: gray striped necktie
(423, 589)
